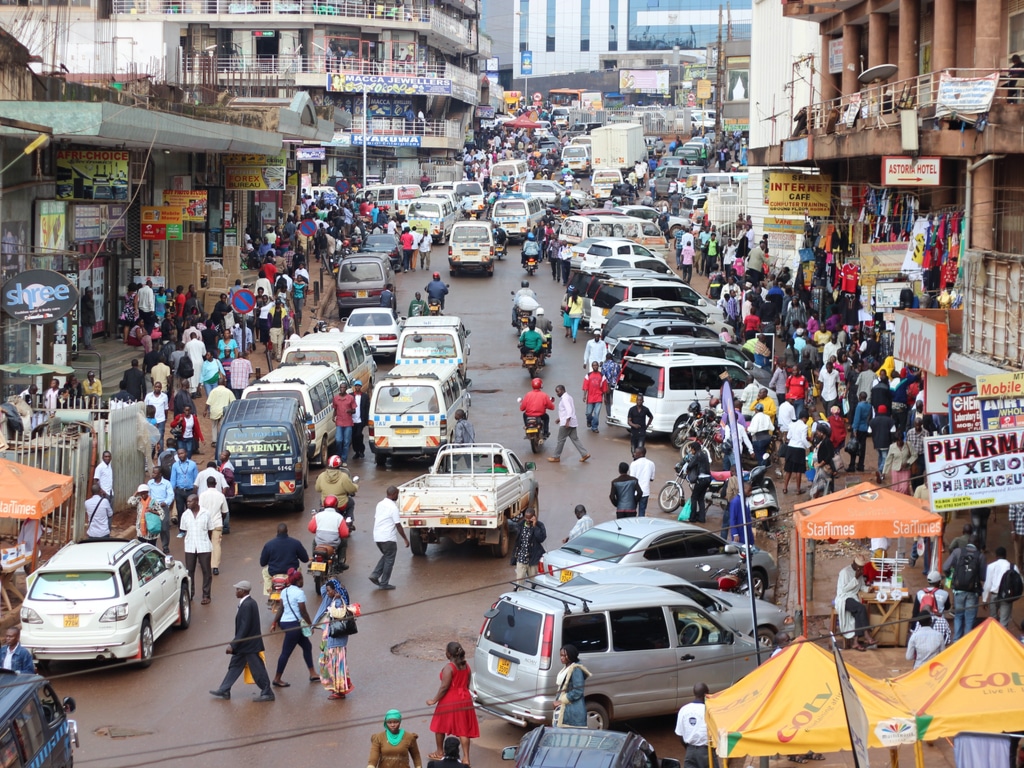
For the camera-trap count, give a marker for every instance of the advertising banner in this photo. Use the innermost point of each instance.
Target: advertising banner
(796, 194)
(382, 105)
(652, 81)
(375, 140)
(191, 203)
(310, 153)
(964, 415)
(975, 469)
(39, 296)
(249, 178)
(51, 225)
(994, 386)
(256, 161)
(526, 62)
(1001, 414)
(965, 95)
(91, 223)
(92, 174)
(835, 55)
(161, 223)
(393, 84)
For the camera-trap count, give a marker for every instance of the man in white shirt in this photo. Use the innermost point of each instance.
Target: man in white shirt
(642, 469)
(760, 432)
(567, 425)
(358, 422)
(213, 502)
(785, 416)
(692, 728)
(161, 405)
(387, 527)
(595, 351)
(584, 523)
(196, 524)
(98, 514)
(1002, 609)
(147, 304)
(829, 378)
(104, 475)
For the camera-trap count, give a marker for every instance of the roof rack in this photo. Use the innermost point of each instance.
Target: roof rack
(561, 595)
(114, 557)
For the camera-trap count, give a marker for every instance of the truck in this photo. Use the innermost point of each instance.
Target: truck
(470, 494)
(617, 147)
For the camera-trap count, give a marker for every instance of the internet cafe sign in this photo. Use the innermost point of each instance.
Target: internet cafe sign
(922, 343)
(39, 296)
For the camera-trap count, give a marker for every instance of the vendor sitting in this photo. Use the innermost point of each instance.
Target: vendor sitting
(852, 613)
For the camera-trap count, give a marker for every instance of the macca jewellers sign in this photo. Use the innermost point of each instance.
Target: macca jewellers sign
(39, 296)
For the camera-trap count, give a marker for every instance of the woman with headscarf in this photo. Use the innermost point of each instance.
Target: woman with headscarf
(392, 747)
(455, 714)
(451, 755)
(333, 658)
(292, 618)
(570, 707)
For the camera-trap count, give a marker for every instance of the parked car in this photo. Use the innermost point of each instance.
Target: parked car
(677, 548)
(639, 309)
(379, 327)
(104, 599)
(362, 278)
(634, 346)
(658, 326)
(548, 747)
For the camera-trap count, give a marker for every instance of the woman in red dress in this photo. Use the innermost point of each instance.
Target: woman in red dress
(455, 714)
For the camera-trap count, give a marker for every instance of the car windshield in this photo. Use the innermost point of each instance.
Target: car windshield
(407, 398)
(259, 439)
(429, 210)
(509, 208)
(469, 189)
(428, 345)
(470, 235)
(259, 394)
(515, 627)
(574, 152)
(640, 379)
(600, 544)
(607, 177)
(363, 319)
(304, 356)
(380, 243)
(361, 272)
(74, 585)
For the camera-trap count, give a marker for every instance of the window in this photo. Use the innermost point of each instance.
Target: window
(514, 627)
(9, 750)
(666, 548)
(52, 707)
(692, 627)
(125, 573)
(76, 585)
(1015, 41)
(351, 358)
(524, 25)
(639, 629)
(702, 545)
(148, 564)
(584, 25)
(587, 631)
(549, 40)
(640, 378)
(409, 398)
(29, 729)
(613, 35)
(600, 544)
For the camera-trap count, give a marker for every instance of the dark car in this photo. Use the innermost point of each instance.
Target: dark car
(385, 243)
(549, 747)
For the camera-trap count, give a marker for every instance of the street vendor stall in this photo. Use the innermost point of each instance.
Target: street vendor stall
(860, 512)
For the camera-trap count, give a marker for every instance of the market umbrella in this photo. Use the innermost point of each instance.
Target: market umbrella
(865, 511)
(523, 121)
(36, 369)
(30, 493)
(973, 685)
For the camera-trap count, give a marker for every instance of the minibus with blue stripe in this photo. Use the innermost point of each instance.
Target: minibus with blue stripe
(442, 339)
(34, 727)
(412, 410)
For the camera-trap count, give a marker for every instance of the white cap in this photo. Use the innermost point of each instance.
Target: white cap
(142, 488)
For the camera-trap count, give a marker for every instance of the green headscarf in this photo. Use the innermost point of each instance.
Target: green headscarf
(393, 738)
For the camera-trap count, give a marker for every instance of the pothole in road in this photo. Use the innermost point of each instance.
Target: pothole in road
(430, 645)
(120, 732)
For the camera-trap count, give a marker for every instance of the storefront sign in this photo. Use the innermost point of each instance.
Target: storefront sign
(964, 415)
(255, 161)
(375, 140)
(51, 225)
(249, 178)
(485, 112)
(1002, 414)
(911, 172)
(835, 55)
(310, 153)
(410, 86)
(939, 389)
(92, 223)
(703, 90)
(965, 95)
(39, 296)
(921, 342)
(92, 174)
(191, 202)
(161, 222)
(976, 469)
(887, 295)
(1000, 385)
(797, 194)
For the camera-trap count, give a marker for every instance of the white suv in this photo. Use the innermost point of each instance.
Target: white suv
(108, 599)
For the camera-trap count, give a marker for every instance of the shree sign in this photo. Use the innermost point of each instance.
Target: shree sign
(922, 343)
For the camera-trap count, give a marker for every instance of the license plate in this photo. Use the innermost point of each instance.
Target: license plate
(532, 430)
(259, 480)
(275, 595)
(632, 398)
(504, 667)
(760, 514)
(361, 294)
(70, 620)
(565, 576)
(454, 521)
(473, 252)
(318, 566)
(407, 430)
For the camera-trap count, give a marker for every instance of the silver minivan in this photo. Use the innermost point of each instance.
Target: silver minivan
(645, 648)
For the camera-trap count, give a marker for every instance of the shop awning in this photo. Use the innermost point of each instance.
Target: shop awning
(30, 493)
(115, 125)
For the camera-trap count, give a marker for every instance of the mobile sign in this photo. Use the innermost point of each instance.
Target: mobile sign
(975, 469)
(39, 296)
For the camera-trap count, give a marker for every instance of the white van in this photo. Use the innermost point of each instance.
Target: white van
(511, 173)
(517, 215)
(412, 412)
(469, 194)
(669, 383)
(314, 387)
(434, 340)
(438, 214)
(576, 157)
(471, 247)
(582, 141)
(712, 180)
(575, 229)
(395, 196)
(602, 182)
(346, 350)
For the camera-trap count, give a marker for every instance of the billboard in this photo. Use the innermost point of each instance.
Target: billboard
(975, 469)
(51, 225)
(191, 203)
(90, 223)
(796, 194)
(92, 174)
(650, 81)
(526, 62)
(396, 85)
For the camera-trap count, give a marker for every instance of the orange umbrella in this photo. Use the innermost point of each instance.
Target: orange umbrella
(29, 493)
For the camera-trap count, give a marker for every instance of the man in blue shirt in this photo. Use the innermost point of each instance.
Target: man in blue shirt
(739, 520)
(279, 554)
(162, 492)
(861, 419)
(15, 657)
(183, 481)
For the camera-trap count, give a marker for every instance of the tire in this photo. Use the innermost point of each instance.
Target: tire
(452, 273)
(501, 549)
(597, 716)
(670, 497)
(765, 638)
(417, 545)
(672, 231)
(380, 459)
(682, 426)
(535, 444)
(184, 609)
(760, 582)
(324, 455)
(318, 581)
(146, 642)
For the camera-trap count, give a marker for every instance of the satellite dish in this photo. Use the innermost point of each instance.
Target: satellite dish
(877, 74)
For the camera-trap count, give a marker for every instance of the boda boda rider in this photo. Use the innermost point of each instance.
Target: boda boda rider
(536, 403)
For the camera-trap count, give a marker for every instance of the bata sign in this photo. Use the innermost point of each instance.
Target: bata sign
(921, 342)
(975, 469)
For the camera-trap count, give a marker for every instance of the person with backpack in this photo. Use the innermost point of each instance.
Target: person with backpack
(966, 568)
(1002, 582)
(933, 598)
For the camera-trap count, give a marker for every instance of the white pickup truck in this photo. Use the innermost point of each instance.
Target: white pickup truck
(469, 494)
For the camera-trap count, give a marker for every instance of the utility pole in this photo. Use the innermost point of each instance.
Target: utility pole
(721, 84)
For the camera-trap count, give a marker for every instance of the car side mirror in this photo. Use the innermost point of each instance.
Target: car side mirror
(730, 549)
(728, 637)
(669, 762)
(509, 753)
(69, 704)
(531, 465)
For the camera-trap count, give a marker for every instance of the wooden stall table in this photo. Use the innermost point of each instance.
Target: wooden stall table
(8, 579)
(890, 619)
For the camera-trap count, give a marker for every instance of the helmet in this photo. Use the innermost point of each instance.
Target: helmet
(537, 383)
(540, 312)
(694, 408)
(331, 501)
(530, 236)
(437, 275)
(524, 284)
(334, 462)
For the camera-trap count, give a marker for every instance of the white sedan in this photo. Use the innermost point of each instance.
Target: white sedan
(379, 327)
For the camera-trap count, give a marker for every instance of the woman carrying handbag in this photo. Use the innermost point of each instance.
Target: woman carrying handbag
(570, 706)
(333, 654)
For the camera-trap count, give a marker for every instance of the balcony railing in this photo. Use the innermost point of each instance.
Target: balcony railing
(318, 64)
(884, 101)
(396, 126)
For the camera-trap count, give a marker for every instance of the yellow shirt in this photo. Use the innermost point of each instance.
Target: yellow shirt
(95, 388)
(220, 397)
(770, 409)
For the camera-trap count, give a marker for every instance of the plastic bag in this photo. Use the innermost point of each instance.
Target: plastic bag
(686, 511)
(247, 674)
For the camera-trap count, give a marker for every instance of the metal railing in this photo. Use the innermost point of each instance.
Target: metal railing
(397, 126)
(878, 105)
(324, 65)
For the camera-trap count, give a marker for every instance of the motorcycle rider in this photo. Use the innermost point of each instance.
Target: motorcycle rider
(331, 529)
(526, 293)
(544, 327)
(530, 248)
(531, 340)
(535, 404)
(334, 482)
(500, 238)
(436, 289)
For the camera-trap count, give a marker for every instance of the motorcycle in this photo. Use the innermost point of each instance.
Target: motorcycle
(532, 361)
(727, 579)
(686, 422)
(522, 319)
(531, 265)
(278, 582)
(434, 307)
(500, 251)
(534, 433)
(762, 504)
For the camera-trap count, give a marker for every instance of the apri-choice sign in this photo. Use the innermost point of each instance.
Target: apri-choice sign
(39, 296)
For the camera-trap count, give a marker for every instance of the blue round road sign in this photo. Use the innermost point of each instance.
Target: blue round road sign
(308, 227)
(243, 301)
(342, 187)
